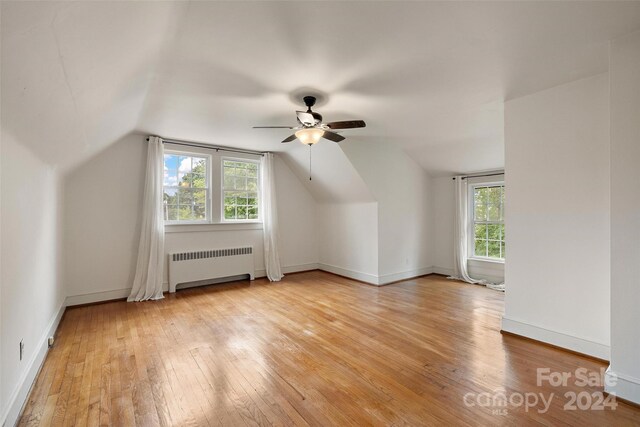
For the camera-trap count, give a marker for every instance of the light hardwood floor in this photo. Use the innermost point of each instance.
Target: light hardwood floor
(314, 349)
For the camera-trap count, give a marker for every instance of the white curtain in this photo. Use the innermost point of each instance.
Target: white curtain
(461, 242)
(147, 284)
(461, 238)
(270, 219)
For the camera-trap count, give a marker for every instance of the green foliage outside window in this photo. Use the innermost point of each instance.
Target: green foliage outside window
(240, 184)
(488, 219)
(185, 188)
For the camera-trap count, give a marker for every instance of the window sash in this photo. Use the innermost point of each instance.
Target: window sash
(497, 243)
(177, 189)
(234, 173)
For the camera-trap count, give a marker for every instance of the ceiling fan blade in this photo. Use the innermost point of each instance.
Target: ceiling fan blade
(332, 136)
(306, 118)
(347, 124)
(290, 138)
(273, 127)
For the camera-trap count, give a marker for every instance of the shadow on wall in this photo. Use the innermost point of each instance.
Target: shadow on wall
(103, 199)
(32, 289)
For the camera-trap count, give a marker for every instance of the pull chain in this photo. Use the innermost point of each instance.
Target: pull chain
(309, 162)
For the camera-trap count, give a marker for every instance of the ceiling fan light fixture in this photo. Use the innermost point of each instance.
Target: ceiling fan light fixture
(309, 136)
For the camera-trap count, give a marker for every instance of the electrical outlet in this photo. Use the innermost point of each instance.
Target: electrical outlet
(21, 348)
(50, 342)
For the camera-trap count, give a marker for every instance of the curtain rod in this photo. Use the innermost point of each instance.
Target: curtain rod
(210, 147)
(480, 176)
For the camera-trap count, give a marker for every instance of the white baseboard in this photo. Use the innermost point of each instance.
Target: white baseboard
(357, 275)
(301, 267)
(404, 275)
(124, 293)
(287, 269)
(559, 339)
(19, 396)
(372, 279)
(442, 270)
(624, 386)
(97, 297)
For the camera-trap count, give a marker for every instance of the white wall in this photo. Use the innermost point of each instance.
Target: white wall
(557, 216)
(402, 190)
(349, 240)
(444, 205)
(625, 216)
(102, 222)
(32, 294)
(443, 190)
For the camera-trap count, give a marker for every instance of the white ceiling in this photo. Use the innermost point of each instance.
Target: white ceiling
(429, 76)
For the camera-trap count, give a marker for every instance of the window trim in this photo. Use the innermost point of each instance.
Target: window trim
(223, 220)
(215, 221)
(209, 188)
(471, 223)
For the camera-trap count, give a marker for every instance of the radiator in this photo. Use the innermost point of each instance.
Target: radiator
(185, 267)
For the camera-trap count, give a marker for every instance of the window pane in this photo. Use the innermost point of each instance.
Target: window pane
(502, 235)
(170, 170)
(481, 231)
(170, 196)
(493, 212)
(170, 213)
(494, 195)
(229, 212)
(480, 196)
(494, 249)
(199, 165)
(200, 212)
(229, 182)
(241, 212)
(502, 245)
(184, 165)
(480, 212)
(252, 201)
(184, 179)
(240, 183)
(253, 213)
(199, 180)
(185, 196)
(480, 248)
(199, 197)
(493, 231)
(185, 212)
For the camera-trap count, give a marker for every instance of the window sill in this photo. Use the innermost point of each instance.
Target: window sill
(488, 260)
(199, 228)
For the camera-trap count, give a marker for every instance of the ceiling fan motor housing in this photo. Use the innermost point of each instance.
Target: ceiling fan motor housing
(310, 101)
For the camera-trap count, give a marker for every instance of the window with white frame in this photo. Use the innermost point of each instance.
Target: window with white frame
(203, 187)
(186, 187)
(240, 190)
(487, 234)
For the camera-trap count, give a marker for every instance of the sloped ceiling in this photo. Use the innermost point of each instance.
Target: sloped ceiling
(429, 76)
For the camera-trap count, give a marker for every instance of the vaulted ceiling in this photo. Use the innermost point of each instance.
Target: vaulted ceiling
(431, 77)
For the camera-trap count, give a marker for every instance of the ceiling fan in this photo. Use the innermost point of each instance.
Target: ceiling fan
(310, 127)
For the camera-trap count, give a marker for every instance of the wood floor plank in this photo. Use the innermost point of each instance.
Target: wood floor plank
(312, 350)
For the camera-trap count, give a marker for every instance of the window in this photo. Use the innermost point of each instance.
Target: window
(204, 187)
(186, 188)
(488, 221)
(240, 190)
